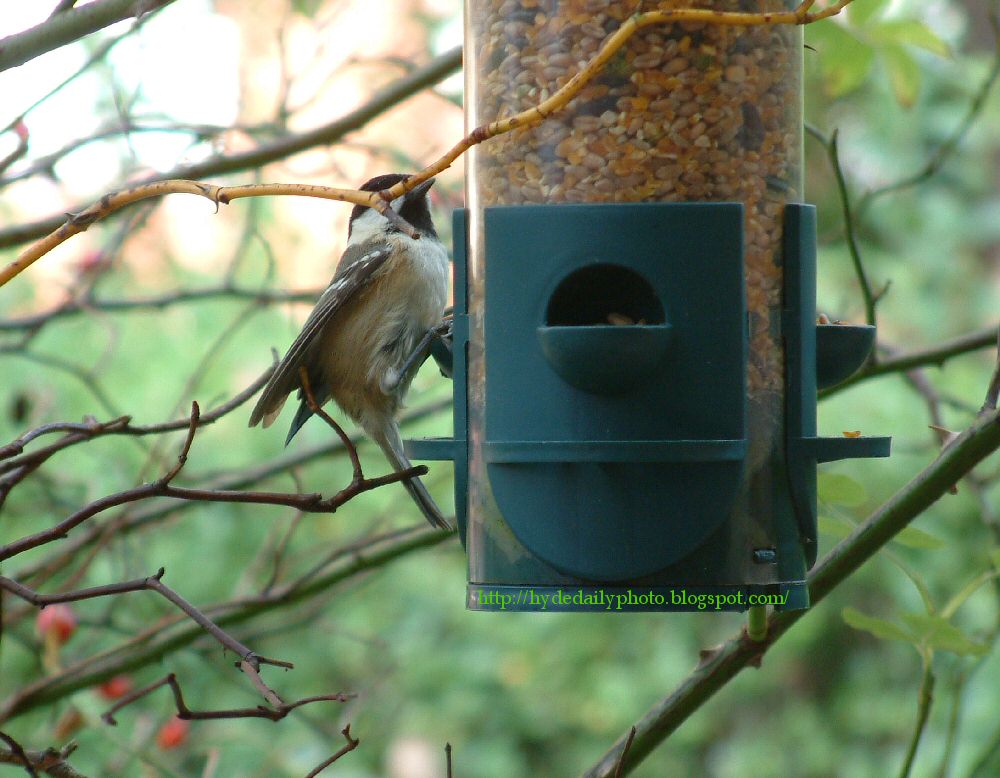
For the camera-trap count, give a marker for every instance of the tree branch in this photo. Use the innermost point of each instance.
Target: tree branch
(399, 90)
(352, 743)
(162, 487)
(932, 355)
(146, 648)
(277, 713)
(66, 27)
(50, 761)
(75, 307)
(723, 663)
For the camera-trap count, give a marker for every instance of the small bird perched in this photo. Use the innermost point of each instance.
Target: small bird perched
(388, 292)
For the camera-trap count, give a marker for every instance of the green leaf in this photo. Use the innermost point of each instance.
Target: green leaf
(845, 61)
(904, 74)
(880, 628)
(911, 537)
(909, 32)
(995, 558)
(940, 634)
(860, 12)
(838, 489)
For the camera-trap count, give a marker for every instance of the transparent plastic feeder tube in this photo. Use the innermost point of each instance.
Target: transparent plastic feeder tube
(683, 112)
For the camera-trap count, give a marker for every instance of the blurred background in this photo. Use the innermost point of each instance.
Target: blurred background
(165, 303)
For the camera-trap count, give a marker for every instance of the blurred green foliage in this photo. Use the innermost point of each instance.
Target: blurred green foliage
(545, 695)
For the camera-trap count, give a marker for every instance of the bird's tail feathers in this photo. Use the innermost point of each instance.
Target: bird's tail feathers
(302, 415)
(391, 444)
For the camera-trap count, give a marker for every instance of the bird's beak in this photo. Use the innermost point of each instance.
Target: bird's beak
(420, 190)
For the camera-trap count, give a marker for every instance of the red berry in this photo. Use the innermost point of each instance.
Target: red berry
(172, 734)
(58, 621)
(116, 687)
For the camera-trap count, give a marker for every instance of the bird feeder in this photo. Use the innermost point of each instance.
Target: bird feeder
(636, 356)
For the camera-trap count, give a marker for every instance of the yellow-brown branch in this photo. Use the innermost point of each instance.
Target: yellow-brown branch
(380, 200)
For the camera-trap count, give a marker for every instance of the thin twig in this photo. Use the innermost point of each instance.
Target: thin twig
(380, 201)
(278, 712)
(17, 751)
(993, 390)
(50, 761)
(951, 143)
(352, 451)
(150, 583)
(895, 362)
(352, 743)
(870, 298)
(220, 484)
(75, 307)
(925, 696)
(176, 631)
(399, 90)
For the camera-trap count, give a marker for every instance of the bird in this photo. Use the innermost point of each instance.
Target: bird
(388, 291)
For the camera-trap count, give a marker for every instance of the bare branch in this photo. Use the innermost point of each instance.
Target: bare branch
(948, 147)
(66, 27)
(980, 440)
(279, 712)
(993, 390)
(352, 743)
(76, 307)
(399, 90)
(239, 480)
(175, 632)
(91, 428)
(17, 751)
(932, 355)
(50, 761)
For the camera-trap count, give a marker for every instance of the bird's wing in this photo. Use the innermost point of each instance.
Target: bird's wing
(358, 266)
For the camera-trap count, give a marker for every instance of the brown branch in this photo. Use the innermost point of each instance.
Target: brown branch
(352, 451)
(50, 761)
(277, 713)
(17, 751)
(110, 203)
(249, 662)
(799, 16)
(932, 355)
(91, 428)
(158, 487)
(352, 743)
(381, 200)
(69, 26)
(238, 480)
(311, 503)
(384, 99)
(150, 583)
(174, 631)
(75, 307)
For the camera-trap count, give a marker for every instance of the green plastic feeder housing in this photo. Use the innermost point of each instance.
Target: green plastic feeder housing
(636, 356)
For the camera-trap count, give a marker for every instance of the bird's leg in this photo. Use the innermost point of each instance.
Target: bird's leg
(416, 358)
